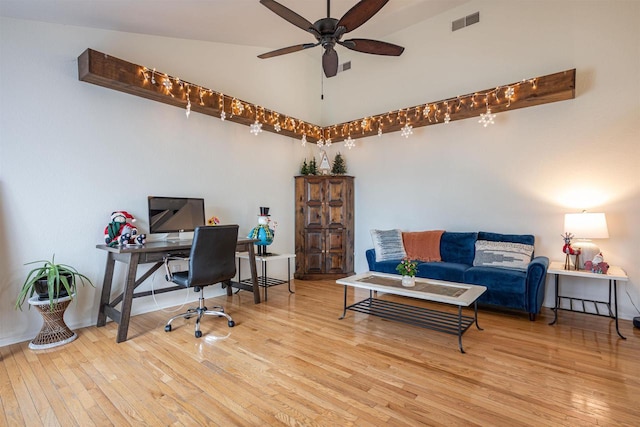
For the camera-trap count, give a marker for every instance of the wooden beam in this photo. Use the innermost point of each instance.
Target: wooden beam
(525, 93)
(113, 73)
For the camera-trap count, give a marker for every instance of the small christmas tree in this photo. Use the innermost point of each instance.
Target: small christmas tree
(305, 168)
(339, 167)
(313, 167)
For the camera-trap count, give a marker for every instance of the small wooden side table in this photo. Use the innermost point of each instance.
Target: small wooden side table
(614, 274)
(54, 331)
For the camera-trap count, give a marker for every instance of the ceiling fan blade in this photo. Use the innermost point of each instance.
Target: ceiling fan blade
(372, 46)
(289, 15)
(360, 13)
(330, 62)
(286, 50)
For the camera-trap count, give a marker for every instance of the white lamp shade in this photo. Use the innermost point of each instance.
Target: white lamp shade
(586, 225)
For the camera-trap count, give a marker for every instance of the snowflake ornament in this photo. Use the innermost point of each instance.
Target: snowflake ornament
(255, 128)
(487, 118)
(407, 130)
(349, 142)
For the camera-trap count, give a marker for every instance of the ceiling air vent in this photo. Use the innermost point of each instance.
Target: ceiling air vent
(465, 21)
(344, 66)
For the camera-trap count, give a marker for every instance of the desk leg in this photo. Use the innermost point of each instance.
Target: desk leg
(106, 289)
(615, 305)
(254, 273)
(127, 300)
(555, 309)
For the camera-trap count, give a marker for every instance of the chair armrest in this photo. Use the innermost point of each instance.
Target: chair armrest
(168, 258)
(536, 280)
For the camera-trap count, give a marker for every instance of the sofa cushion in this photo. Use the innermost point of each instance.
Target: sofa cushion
(497, 279)
(449, 271)
(458, 247)
(388, 245)
(502, 255)
(526, 239)
(423, 245)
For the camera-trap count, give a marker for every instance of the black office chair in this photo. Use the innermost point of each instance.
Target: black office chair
(211, 261)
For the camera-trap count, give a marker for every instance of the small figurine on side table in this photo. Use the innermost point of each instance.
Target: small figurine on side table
(263, 232)
(570, 250)
(597, 265)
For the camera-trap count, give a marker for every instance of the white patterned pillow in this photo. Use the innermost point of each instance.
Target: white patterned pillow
(388, 245)
(502, 254)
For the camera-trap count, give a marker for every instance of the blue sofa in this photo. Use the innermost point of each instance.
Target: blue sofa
(510, 288)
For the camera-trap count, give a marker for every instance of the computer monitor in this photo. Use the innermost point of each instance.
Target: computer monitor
(175, 214)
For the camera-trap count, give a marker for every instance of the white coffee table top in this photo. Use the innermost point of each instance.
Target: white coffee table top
(460, 294)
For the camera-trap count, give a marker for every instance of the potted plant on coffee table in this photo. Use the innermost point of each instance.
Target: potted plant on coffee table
(408, 269)
(55, 286)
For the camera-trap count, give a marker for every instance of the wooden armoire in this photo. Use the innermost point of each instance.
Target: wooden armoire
(324, 227)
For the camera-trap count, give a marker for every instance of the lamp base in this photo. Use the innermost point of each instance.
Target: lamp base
(588, 250)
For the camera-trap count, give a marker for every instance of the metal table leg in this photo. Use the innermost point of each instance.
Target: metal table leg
(344, 310)
(615, 305)
(555, 309)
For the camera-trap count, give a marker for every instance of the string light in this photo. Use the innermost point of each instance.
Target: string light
(407, 130)
(304, 139)
(256, 127)
(432, 112)
(188, 102)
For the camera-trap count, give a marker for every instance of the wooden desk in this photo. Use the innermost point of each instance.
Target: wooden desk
(152, 252)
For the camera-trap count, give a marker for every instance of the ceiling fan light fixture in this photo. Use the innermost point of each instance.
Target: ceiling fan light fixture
(328, 31)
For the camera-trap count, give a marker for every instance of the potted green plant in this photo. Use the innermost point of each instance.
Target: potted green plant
(50, 281)
(408, 269)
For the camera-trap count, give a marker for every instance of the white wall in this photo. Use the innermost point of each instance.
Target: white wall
(72, 152)
(104, 150)
(524, 173)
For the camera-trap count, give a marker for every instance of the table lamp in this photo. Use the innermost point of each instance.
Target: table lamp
(585, 226)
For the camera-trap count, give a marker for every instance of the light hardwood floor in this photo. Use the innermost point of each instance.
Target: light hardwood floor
(290, 361)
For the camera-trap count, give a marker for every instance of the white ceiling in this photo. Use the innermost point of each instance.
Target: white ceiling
(244, 22)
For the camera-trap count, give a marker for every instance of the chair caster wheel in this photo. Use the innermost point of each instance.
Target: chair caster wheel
(167, 328)
(231, 323)
(198, 334)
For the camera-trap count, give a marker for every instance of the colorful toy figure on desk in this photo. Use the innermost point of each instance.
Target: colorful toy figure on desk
(121, 231)
(214, 220)
(597, 265)
(569, 250)
(262, 232)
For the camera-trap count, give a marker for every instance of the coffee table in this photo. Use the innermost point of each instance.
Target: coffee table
(457, 294)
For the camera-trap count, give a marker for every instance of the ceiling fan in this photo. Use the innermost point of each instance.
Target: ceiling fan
(328, 31)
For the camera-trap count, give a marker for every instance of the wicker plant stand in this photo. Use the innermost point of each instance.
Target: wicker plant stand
(54, 331)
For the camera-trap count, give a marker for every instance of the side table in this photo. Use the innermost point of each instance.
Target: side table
(54, 331)
(614, 274)
(264, 280)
